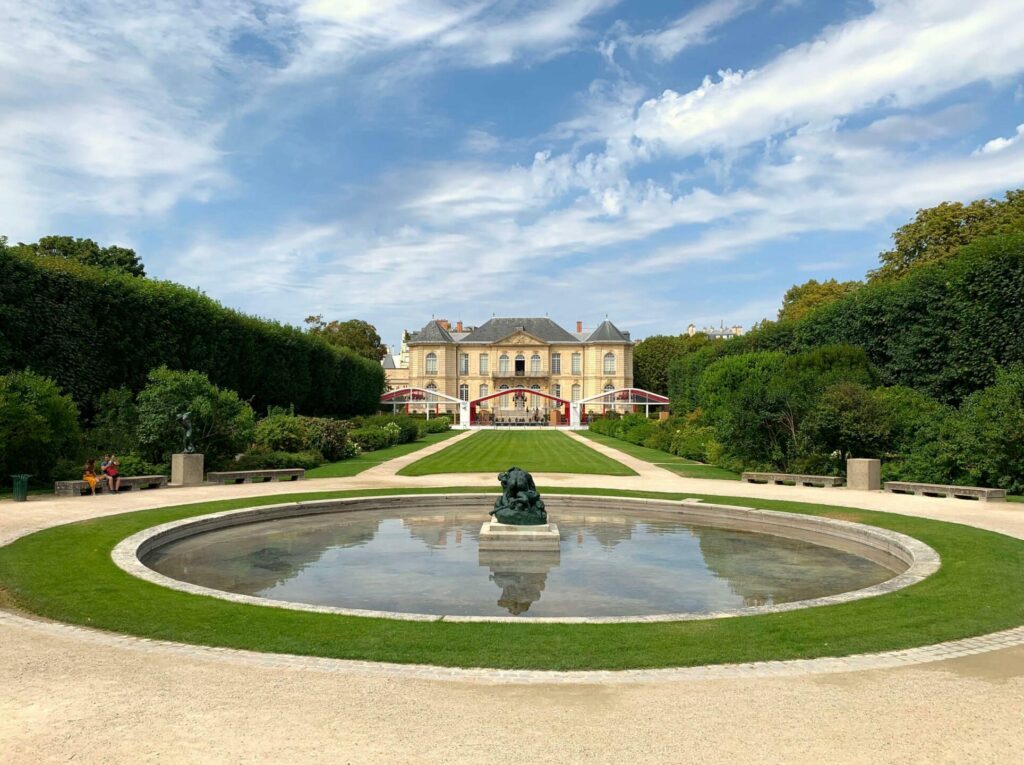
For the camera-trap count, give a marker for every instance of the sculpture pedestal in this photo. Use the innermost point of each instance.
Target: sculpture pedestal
(504, 536)
(864, 475)
(186, 469)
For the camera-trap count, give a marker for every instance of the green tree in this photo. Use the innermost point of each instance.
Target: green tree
(846, 421)
(222, 423)
(801, 299)
(985, 440)
(87, 252)
(38, 426)
(937, 233)
(116, 424)
(653, 355)
(359, 335)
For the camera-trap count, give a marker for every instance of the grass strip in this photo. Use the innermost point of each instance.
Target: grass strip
(542, 451)
(66, 573)
(680, 465)
(367, 460)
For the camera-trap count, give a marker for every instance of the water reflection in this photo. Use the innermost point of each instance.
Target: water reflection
(610, 564)
(520, 575)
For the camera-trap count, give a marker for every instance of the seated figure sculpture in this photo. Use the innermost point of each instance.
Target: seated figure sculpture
(520, 503)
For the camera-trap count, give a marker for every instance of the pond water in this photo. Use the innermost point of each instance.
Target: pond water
(610, 564)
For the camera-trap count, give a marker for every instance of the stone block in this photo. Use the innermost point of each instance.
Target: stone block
(186, 469)
(504, 536)
(864, 475)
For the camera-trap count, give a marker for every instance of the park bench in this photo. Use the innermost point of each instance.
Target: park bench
(980, 493)
(128, 483)
(255, 476)
(795, 479)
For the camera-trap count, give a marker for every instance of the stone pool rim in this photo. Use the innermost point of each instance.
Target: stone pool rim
(921, 559)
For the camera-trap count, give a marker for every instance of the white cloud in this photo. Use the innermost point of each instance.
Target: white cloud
(904, 53)
(693, 28)
(1000, 144)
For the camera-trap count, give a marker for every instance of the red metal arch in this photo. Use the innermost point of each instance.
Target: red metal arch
(512, 391)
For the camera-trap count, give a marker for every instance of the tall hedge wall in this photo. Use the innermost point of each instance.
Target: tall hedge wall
(93, 329)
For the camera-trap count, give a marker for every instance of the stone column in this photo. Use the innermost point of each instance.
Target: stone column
(864, 475)
(186, 469)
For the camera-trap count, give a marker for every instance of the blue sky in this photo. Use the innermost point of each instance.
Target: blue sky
(659, 162)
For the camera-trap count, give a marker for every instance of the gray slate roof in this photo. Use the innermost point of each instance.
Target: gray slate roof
(497, 329)
(432, 333)
(388, 362)
(607, 333)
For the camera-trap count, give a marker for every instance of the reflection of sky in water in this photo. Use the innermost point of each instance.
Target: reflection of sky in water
(609, 565)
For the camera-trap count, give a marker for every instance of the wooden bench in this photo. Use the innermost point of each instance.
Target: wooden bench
(256, 476)
(980, 493)
(795, 479)
(128, 483)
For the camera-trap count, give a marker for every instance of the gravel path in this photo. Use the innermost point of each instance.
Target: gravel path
(73, 695)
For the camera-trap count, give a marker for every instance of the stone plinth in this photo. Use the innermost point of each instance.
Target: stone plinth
(186, 469)
(864, 475)
(504, 536)
(554, 418)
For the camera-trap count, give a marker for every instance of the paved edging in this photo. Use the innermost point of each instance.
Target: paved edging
(794, 668)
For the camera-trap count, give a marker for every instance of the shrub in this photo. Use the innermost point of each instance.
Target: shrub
(116, 423)
(330, 438)
(133, 464)
(374, 437)
(435, 425)
(38, 426)
(281, 433)
(261, 460)
(222, 423)
(409, 428)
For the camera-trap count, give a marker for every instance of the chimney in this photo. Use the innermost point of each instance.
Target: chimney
(444, 324)
(458, 326)
(579, 327)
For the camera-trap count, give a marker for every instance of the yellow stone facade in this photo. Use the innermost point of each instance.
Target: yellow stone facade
(550, 360)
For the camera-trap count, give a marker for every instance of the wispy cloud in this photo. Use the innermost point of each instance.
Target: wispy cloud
(693, 28)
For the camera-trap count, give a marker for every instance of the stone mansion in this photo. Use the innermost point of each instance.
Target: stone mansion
(472, 363)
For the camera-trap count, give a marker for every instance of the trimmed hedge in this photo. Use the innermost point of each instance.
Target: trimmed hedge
(93, 329)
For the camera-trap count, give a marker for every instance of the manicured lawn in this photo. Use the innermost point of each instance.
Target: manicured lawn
(492, 451)
(367, 460)
(979, 589)
(684, 467)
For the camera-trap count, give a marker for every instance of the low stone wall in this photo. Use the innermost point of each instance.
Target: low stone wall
(909, 559)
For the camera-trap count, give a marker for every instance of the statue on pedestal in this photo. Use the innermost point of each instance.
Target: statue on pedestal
(185, 421)
(520, 503)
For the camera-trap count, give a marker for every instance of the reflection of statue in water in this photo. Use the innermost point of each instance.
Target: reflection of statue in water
(520, 575)
(520, 503)
(185, 421)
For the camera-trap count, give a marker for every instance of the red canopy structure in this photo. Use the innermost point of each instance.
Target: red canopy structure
(513, 392)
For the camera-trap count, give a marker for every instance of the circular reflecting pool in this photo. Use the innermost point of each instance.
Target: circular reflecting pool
(626, 563)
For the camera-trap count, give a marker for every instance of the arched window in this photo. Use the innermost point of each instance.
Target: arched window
(463, 363)
(503, 401)
(556, 390)
(520, 364)
(483, 391)
(577, 363)
(609, 363)
(431, 363)
(535, 362)
(576, 391)
(503, 363)
(556, 363)
(609, 388)
(464, 392)
(535, 387)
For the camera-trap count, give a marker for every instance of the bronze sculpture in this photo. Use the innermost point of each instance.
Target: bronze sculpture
(520, 503)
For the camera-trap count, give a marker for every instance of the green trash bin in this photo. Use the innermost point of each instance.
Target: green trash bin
(21, 486)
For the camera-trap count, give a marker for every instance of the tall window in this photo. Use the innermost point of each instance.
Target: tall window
(556, 390)
(464, 392)
(609, 363)
(535, 363)
(503, 363)
(577, 363)
(484, 363)
(556, 363)
(431, 363)
(503, 401)
(483, 391)
(576, 391)
(463, 363)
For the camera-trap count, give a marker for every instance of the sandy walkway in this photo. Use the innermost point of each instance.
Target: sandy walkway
(72, 695)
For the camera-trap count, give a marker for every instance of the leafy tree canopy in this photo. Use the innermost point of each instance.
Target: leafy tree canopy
(84, 251)
(653, 355)
(938, 232)
(801, 299)
(359, 335)
(38, 425)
